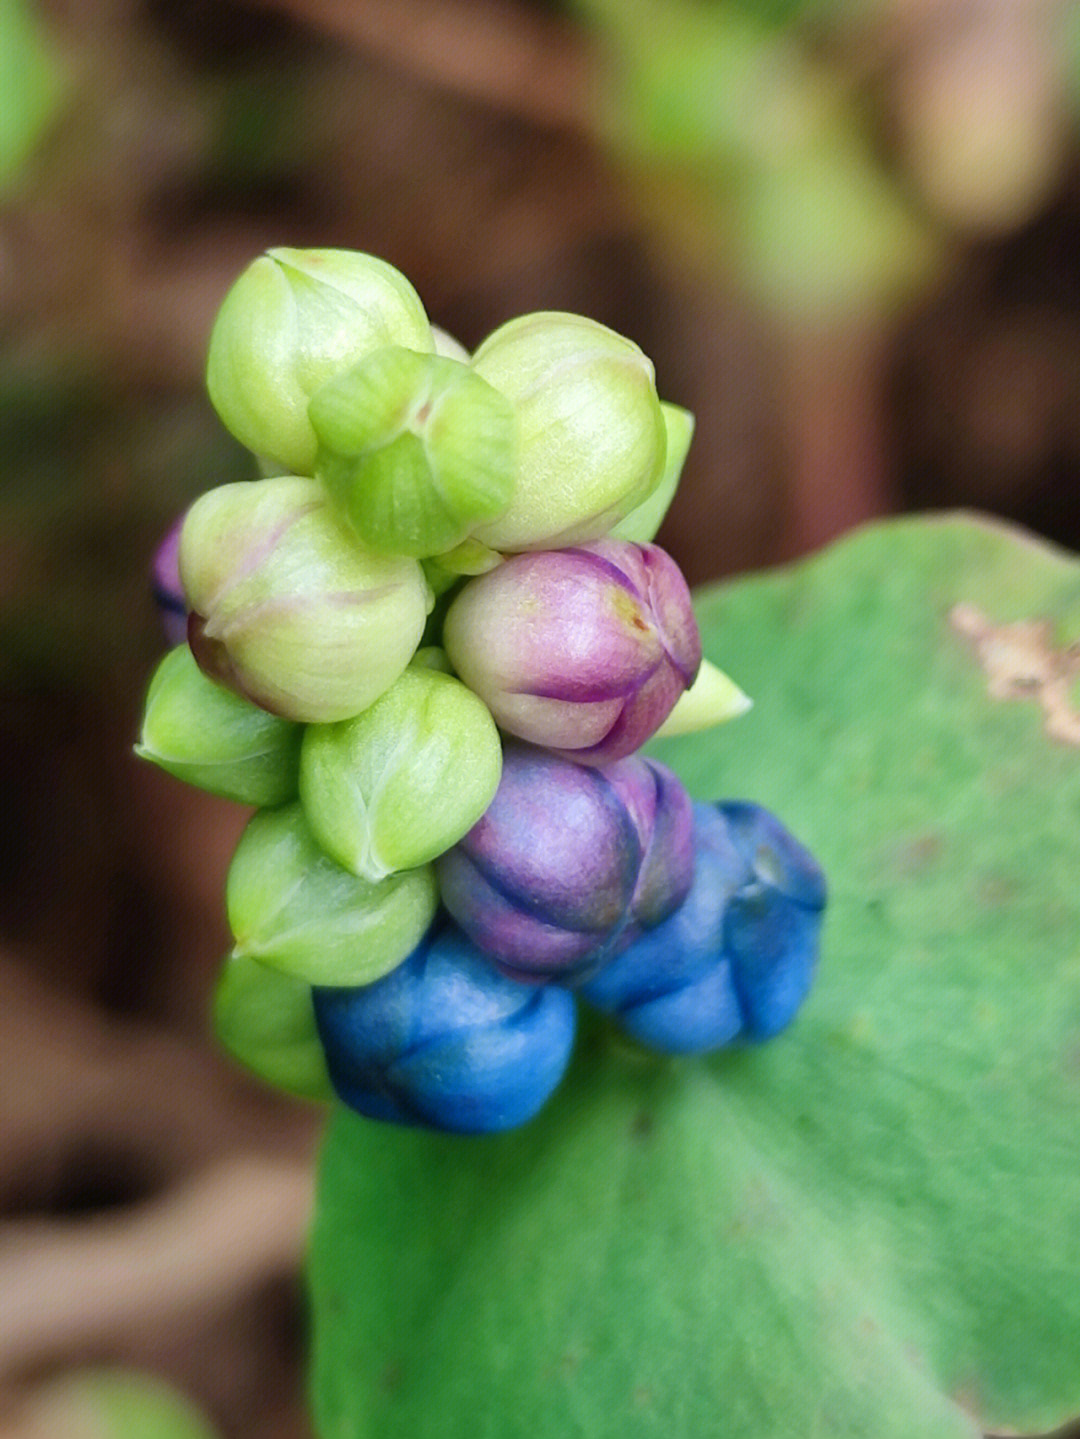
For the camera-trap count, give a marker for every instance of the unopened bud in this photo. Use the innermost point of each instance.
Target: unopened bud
(292, 907)
(583, 651)
(290, 322)
(209, 737)
(415, 450)
(642, 523)
(712, 699)
(737, 958)
(289, 608)
(266, 1020)
(397, 785)
(590, 435)
(544, 881)
(446, 1041)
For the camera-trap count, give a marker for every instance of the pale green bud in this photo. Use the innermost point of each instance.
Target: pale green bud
(292, 320)
(641, 525)
(289, 608)
(712, 699)
(209, 737)
(405, 780)
(590, 433)
(464, 561)
(449, 347)
(109, 1404)
(266, 1020)
(415, 450)
(291, 907)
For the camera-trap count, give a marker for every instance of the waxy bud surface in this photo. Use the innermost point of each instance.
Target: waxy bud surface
(642, 523)
(292, 320)
(584, 651)
(399, 784)
(664, 814)
(266, 1020)
(288, 608)
(293, 908)
(211, 738)
(446, 1041)
(591, 438)
(415, 450)
(547, 880)
(738, 957)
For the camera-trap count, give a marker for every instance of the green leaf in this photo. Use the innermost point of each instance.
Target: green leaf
(870, 1225)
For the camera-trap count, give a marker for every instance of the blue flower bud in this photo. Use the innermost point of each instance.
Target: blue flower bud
(563, 859)
(738, 957)
(446, 1041)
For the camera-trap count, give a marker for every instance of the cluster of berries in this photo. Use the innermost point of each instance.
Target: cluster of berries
(427, 646)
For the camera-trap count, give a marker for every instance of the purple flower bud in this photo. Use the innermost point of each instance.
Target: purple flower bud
(445, 1041)
(167, 589)
(738, 957)
(665, 816)
(564, 858)
(583, 651)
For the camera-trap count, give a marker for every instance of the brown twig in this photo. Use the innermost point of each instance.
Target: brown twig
(85, 1282)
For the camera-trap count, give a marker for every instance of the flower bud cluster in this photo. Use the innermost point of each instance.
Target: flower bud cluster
(427, 646)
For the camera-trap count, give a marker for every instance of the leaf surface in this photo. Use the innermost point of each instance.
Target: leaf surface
(869, 1226)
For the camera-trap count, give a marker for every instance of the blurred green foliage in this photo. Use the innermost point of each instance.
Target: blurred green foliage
(31, 84)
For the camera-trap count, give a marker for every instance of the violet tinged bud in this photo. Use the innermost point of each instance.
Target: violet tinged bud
(291, 907)
(583, 651)
(544, 881)
(446, 1041)
(712, 699)
(288, 608)
(292, 320)
(591, 438)
(400, 783)
(642, 524)
(266, 1021)
(167, 589)
(415, 450)
(211, 738)
(738, 957)
(664, 814)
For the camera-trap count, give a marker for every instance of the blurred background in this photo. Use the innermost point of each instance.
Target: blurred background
(846, 231)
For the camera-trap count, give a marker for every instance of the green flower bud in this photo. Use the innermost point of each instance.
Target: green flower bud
(214, 739)
(294, 909)
(449, 347)
(405, 780)
(641, 525)
(711, 700)
(415, 450)
(290, 322)
(288, 608)
(590, 434)
(266, 1020)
